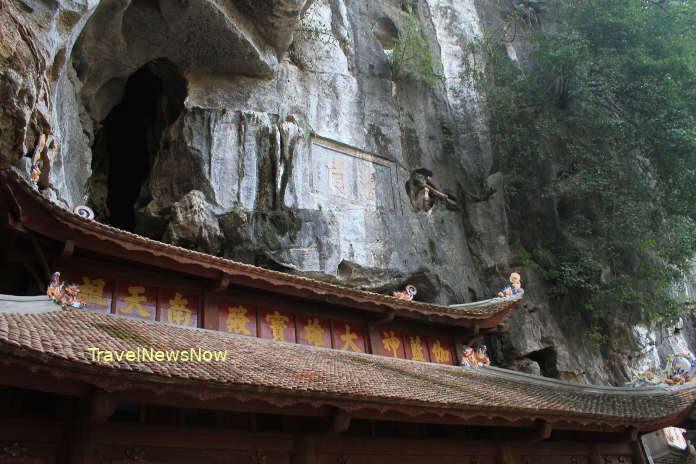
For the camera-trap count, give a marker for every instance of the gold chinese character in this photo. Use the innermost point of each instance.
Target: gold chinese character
(237, 321)
(442, 355)
(390, 342)
(314, 332)
(134, 301)
(417, 349)
(277, 322)
(178, 313)
(92, 290)
(348, 338)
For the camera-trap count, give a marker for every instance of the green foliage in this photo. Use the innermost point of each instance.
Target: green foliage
(526, 12)
(600, 118)
(410, 57)
(523, 257)
(595, 337)
(449, 140)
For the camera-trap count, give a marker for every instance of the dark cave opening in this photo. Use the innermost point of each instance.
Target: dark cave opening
(547, 359)
(130, 136)
(19, 273)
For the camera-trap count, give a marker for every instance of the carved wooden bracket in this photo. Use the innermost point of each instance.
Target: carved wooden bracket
(542, 430)
(222, 284)
(340, 421)
(68, 250)
(630, 434)
(101, 407)
(386, 317)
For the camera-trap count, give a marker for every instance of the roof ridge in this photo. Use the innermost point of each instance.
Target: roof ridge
(230, 265)
(508, 373)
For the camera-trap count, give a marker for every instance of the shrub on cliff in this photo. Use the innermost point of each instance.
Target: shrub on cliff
(599, 121)
(410, 56)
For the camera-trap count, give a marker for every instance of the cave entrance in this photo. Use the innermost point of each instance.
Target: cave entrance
(547, 358)
(130, 137)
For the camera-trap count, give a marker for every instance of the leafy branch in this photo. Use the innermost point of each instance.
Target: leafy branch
(410, 56)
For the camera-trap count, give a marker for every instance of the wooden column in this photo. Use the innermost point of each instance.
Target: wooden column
(595, 455)
(80, 431)
(637, 453)
(38, 250)
(459, 343)
(375, 340)
(504, 454)
(82, 443)
(304, 450)
(210, 311)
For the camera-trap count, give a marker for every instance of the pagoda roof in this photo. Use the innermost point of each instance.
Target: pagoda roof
(31, 211)
(40, 335)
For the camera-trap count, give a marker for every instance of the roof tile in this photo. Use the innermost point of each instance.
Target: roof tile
(288, 368)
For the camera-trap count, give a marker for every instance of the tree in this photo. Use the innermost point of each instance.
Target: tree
(600, 120)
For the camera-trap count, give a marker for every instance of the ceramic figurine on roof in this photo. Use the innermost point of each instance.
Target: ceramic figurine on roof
(407, 294)
(646, 378)
(70, 296)
(64, 294)
(482, 356)
(683, 371)
(469, 358)
(55, 286)
(36, 173)
(36, 162)
(513, 288)
(677, 371)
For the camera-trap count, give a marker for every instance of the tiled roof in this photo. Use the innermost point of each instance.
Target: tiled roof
(62, 338)
(477, 310)
(675, 458)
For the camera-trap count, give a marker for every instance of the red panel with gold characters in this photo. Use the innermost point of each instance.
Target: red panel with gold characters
(136, 300)
(313, 331)
(237, 318)
(391, 343)
(178, 307)
(277, 325)
(95, 290)
(349, 337)
(440, 350)
(416, 348)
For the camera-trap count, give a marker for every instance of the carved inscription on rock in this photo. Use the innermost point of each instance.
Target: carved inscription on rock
(345, 174)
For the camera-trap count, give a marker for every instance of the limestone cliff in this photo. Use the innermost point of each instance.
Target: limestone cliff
(273, 132)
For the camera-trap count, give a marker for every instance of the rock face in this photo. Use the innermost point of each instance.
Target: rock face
(203, 123)
(193, 225)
